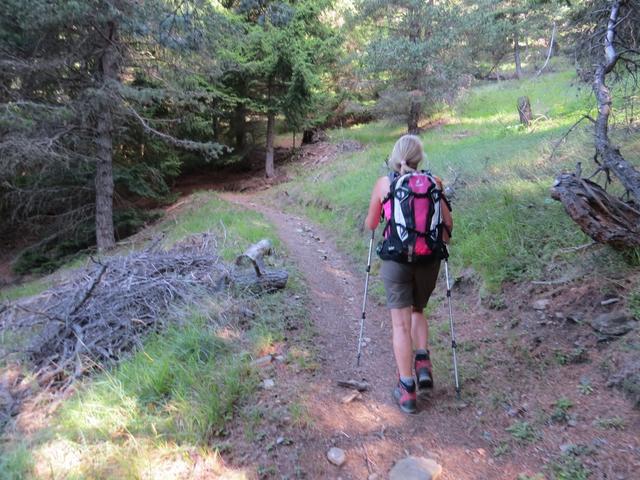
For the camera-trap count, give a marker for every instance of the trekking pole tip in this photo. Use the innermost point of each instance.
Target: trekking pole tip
(458, 394)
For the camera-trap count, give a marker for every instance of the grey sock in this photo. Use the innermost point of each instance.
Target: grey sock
(422, 351)
(407, 381)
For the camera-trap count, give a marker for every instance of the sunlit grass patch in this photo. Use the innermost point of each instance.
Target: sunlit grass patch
(182, 385)
(506, 225)
(15, 462)
(179, 391)
(24, 290)
(233, 227)
(151, 416)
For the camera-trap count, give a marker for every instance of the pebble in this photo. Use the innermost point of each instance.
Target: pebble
(415, 468)
(336, 456)
(541, 304)
(262, 361)
(609, 301)
(566, 447)
(268, 383)
(612, 324)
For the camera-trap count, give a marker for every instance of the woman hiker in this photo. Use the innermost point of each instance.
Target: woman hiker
(408, 286)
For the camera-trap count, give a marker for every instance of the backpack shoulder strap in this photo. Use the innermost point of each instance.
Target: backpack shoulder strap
(392, 176)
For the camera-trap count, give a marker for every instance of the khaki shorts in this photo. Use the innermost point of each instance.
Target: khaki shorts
(409, 285)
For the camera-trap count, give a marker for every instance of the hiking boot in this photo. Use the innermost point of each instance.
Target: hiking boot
(405, 397)
(423, 371)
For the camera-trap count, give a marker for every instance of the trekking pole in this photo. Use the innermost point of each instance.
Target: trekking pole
(364, 300)
(454, 345)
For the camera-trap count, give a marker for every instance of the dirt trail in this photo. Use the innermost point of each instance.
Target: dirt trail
(372, 431)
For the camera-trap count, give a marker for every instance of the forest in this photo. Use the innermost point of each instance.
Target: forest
(152, 153)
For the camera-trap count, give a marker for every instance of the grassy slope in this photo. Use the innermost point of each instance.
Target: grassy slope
(176, 393)
(507, 227)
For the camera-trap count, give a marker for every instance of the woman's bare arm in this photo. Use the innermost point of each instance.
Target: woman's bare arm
(375, 204)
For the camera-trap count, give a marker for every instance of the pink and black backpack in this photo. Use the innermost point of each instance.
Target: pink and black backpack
(412, 209)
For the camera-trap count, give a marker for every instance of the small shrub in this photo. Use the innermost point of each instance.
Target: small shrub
(561, 410)
(523, 432)
(613, 423)
(633, 303)
(585, 387)
(524, 476)
(569, 467)
(501, 449)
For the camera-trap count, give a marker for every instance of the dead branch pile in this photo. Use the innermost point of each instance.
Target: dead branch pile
(105, 310)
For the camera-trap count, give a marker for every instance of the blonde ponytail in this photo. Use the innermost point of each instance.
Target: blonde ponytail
(406, 155)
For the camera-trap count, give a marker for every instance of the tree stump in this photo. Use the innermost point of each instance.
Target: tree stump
(524, 110)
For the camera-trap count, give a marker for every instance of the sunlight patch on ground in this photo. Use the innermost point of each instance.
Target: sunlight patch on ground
(132, 459)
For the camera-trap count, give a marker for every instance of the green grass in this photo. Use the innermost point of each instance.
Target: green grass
(233, 227)
(180, 391)
(523, 432)
(506, 225)
(612, 423)
(569, 466)
(561, 409)
(24, 290)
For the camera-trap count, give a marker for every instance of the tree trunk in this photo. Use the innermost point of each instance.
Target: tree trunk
(524, 110)
(239, 126)
(269, 168)
(610, 155)
(414, 116)
(516, 55)
(603, 217)
(104, 147)
(215, 127)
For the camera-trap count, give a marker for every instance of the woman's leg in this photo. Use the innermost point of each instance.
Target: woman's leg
(419, 329)
(402, 347)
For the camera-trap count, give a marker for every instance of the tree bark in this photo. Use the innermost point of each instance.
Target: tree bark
(269, 167)
(551, 46)
(271, 120)
(610, 155)
(104, 144)
(524, 110)
(239, 126)
(604, 218)
(255, 254)
(601, 216)
(415, 112)
(516, 55)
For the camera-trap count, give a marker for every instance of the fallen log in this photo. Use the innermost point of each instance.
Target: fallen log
(603, 217)
(269, 281)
